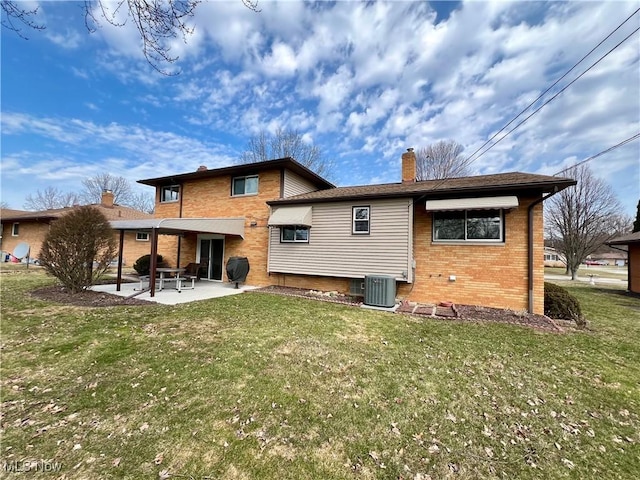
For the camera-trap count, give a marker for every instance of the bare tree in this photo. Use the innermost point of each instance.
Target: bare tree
(287, 143)
(95, 186)
(440, 160)
(582, 217)
(157, 21)
(636, 222)
(143, 202)
(78, 248)
(4, 205)
(14, 15)
(49, 198)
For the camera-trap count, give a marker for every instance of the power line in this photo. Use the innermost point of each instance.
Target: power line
(550, 87)
(555, 96)
(622, 143)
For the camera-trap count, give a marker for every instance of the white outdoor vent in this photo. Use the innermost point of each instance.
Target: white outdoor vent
(356, 286)
(380, 290)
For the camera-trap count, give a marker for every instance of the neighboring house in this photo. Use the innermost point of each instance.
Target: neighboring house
(632, 241)
(31, 227)
(553, 258)
(472, 240)
(617, 259)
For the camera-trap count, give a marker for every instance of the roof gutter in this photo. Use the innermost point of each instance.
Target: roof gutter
(530, 243)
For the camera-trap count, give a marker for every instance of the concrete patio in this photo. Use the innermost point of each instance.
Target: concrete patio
(170, 296)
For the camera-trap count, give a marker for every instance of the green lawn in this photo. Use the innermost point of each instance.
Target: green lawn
(263, 386)
(619, 273)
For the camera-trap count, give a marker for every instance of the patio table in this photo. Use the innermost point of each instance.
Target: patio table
(176, 271)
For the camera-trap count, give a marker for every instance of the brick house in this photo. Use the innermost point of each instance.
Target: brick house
(471, 240)
(31, 227)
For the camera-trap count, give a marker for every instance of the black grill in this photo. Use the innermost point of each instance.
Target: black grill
(237, 269)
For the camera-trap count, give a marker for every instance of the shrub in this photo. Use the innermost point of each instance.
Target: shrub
(559, 303)
(143, 264)
(78, 248)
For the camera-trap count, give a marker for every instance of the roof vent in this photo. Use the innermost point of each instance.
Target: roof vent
(202, 168)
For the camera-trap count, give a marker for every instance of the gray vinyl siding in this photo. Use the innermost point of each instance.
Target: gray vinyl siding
(333, 251)
(296, 185)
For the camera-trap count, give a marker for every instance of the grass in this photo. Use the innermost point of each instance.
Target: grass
(619, 273)
(264, 386)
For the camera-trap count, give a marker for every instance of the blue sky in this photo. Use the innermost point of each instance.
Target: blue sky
(363, 81)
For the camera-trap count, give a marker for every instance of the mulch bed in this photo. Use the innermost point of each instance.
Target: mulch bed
(87, 298)
(457, 312)
(333, 297)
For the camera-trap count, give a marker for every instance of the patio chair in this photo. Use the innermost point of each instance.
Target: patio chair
(191, 272)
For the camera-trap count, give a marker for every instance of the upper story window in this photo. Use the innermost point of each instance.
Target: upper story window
(469, 225)
(142, 236)
(244, 185)
(294, 233)
(170, 193)
(15, 229)
(361, 220)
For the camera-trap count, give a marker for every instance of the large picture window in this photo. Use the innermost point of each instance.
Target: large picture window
(469, 225)
(170, 193)
(294, 233)
(361, 220)
(244, 185)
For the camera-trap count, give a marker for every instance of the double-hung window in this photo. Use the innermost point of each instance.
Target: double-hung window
(361, 220)
(469, 225)
(244, 185)
(294, 233)
(169, 193)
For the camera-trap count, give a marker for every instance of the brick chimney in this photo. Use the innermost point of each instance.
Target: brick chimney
(202, 168)
(107, 199)
(408, 166)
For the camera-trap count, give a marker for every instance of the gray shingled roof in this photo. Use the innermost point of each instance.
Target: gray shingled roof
(242, 169)
(117, 212)
(626, 239)
(501, 182)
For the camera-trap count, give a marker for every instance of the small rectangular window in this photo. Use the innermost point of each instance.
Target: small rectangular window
(294, 233)
(15, 229)
(142, 236)
(170, 193)
(468, 225)
(360, 220)
(244, 185)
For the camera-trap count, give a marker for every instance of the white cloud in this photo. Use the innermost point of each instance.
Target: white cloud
(367, 80)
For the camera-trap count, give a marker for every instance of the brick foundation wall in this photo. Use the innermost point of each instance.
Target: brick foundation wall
(325, 284)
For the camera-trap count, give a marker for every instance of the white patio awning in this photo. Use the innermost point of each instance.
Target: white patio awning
(291, 216)
(480, 203)
(175, 226)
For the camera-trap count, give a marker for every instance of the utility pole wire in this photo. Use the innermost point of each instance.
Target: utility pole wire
(551, 86)
(622, 143)
(555, 96)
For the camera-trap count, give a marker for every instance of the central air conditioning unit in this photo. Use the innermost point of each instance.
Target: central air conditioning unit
(380, 290)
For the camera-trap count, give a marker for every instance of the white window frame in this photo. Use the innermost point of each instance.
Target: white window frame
(15, 229)
(142, 236)
(244, 193)
(170, 188)
(500, 239)
(295, 229)
(354, 220)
